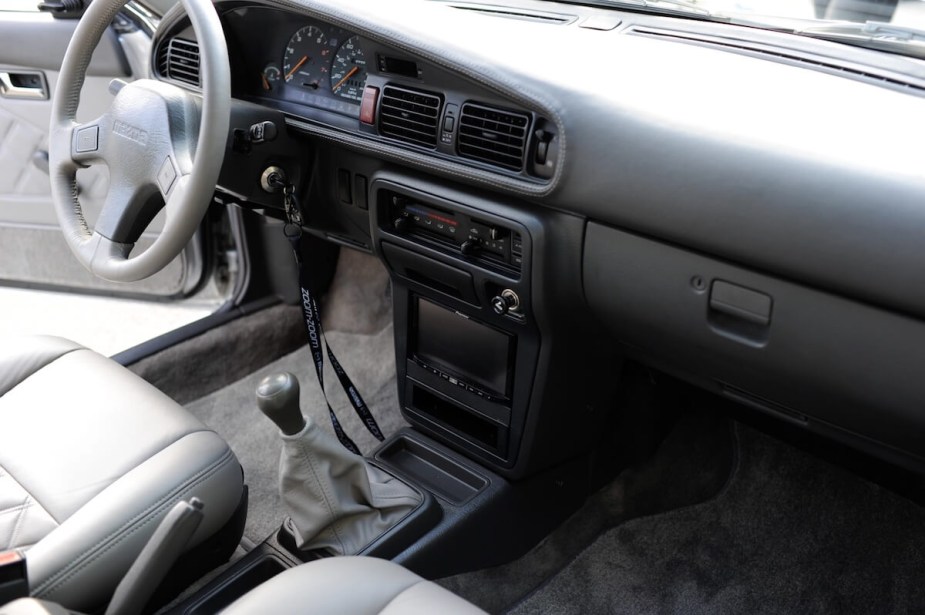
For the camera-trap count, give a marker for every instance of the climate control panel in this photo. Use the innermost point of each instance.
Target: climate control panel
(491, 244)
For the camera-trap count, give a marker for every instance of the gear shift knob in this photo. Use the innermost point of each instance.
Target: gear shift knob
(278, 399)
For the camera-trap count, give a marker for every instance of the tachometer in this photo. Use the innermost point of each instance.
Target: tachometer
(348, 72)
(306, 60)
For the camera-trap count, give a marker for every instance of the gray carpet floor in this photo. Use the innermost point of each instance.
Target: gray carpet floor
(357, 317)
(205, 363)
(691, 465)
(789, 534)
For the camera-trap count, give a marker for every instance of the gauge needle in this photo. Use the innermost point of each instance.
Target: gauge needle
(352, 72)
(296, 67)
(266, 82)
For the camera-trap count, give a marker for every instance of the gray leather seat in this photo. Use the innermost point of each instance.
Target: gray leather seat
(91, 458)
(355, 585)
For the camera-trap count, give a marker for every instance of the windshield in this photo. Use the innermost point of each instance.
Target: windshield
(909, 13)
(890, 25)
(905, 13)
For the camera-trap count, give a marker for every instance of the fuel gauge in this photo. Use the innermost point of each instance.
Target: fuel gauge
(270, 77)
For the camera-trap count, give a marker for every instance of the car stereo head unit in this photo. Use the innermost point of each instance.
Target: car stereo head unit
(467, 353)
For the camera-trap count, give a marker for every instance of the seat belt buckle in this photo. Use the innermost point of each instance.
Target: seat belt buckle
(14, 579)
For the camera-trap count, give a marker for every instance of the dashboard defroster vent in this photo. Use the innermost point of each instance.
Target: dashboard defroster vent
(515, 13)
(178, 60)
(882, 76)
(409, 115)
(495, 136)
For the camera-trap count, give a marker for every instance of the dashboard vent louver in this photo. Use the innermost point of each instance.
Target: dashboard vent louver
(409, 115)
(178, 60)
(496, 136)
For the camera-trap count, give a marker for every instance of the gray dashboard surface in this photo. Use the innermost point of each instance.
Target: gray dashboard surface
(785, 168)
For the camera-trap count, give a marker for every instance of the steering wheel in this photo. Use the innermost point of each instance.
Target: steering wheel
(155, 138)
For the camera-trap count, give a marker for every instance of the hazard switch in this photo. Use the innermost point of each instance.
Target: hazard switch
(368, 105)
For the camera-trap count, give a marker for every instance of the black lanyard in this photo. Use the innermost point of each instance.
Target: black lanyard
(316, 338)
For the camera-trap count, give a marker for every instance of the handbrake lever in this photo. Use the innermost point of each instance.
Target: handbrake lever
(156, 559)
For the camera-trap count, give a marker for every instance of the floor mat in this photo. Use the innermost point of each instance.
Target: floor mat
(691, 465)
(789, 534)
(189, 370)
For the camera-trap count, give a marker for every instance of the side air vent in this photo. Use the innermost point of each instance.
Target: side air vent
(178, 60)
(409, 115)
(496, 136)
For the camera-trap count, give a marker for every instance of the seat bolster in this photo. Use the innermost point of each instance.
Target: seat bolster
(80, 562)
(72, 428)
(23, 519)
(425, 598)
(31, 606)
(356, 585)
(23, 355)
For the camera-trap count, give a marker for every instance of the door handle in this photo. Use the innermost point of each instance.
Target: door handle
(23, 85)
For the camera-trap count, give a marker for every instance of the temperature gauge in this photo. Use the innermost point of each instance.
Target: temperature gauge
(270, 77)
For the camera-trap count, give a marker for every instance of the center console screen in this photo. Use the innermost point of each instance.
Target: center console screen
(471, 351)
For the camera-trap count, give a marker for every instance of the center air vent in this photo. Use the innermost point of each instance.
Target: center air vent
(409, 115)
(496, 136)
(178, 60)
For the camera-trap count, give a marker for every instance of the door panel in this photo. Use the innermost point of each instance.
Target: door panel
(32, 249)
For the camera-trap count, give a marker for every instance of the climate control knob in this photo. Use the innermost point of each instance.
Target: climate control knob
(469, 247)
(402, 224)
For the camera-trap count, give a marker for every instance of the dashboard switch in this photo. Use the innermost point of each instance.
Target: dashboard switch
(449, 123)
(262, 132)
(368, 105)
(543, 141)
(360, 189)
(343, 186)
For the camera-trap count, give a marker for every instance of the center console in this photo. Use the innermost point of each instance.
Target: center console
(468, 343)
(482, 348)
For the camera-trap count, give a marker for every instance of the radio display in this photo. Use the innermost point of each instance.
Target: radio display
(474, 352)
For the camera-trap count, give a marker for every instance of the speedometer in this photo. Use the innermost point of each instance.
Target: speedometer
(306, 59)
(348, 72)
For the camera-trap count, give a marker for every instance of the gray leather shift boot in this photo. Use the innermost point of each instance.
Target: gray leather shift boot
(337, 500)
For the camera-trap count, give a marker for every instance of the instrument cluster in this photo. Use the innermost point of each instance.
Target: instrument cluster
(301, 62)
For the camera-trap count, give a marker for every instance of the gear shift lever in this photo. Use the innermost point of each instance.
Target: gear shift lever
(335, 499)
(278, 399)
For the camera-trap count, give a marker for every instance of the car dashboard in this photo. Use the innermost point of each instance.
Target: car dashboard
(555, 188)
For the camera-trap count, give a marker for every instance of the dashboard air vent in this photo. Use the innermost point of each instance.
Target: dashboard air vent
(496, 136)
(409, 115)
(178, 60)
